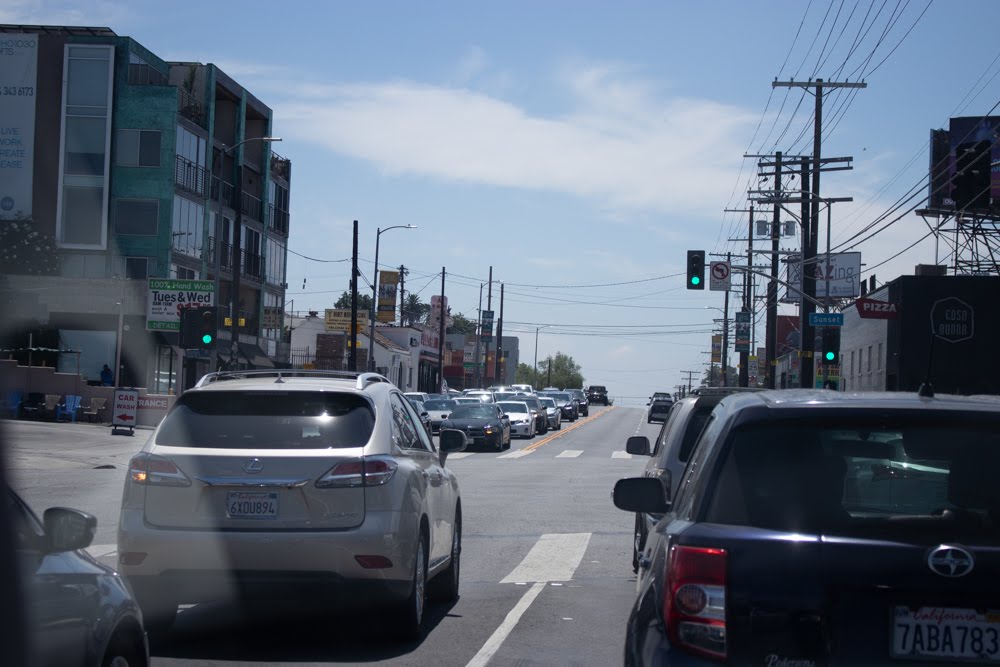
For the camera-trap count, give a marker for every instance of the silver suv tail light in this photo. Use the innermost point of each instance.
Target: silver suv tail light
(155, 470)
(364, 471)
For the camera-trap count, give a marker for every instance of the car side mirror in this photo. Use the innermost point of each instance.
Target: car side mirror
(68, 529)
(641, 494)
(451, 440)
(638, 445)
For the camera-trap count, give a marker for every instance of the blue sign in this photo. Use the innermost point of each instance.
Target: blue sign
(826, 319)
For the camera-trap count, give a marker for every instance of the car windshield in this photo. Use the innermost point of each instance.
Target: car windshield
(547, 402)
(561, 397)
(512, 407)
(873, 480)
(268, 420)
(440, 405)
(472, 412)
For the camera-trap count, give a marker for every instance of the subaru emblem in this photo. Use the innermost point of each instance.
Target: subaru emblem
(253, 466)
(950, 561)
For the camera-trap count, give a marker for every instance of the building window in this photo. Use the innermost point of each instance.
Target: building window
(182, 272)
(84, 154)
(275, 273)
(878, 359)
(139, 217)
(137, 268)
(869, 358)
(138, 148)
(190, 146)
(187, 227)
(166, 373)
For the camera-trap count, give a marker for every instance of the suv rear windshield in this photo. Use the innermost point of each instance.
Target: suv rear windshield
(920, 478)
(268, 420)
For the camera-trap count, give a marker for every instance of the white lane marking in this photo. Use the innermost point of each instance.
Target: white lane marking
(101, 550)
(460, 455)
(516, 454)
(620, 455)
(569, 454)
(493, 644)
(554, 557)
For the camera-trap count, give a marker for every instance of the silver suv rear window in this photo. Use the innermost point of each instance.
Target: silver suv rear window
(268, 420)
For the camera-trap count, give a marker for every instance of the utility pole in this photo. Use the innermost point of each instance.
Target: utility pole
(725, 331)
(810, 228)
(402, 295)
(479, 337)
(690, 374)
(444, 313)
(499, 354)
(489, 306)
(352, 352)
(772, 285)
(748, 290)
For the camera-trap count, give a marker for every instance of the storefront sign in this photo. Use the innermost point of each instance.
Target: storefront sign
(166, 299)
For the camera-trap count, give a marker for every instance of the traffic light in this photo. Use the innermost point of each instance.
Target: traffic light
(696, 269)
(830, 354)
(199, 328)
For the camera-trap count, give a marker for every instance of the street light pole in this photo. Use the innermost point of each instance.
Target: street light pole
(537, 329)
(374, 309)
(237, 250)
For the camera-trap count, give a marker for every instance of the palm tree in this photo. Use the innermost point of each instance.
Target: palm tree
(413, 310)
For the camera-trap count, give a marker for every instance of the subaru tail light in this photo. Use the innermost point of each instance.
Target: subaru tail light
(694, 600)
(365, 471)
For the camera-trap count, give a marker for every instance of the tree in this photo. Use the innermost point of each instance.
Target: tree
(524, 374)
(560, 371)
(414, 310)
(364, 302)
(25, 250)
(460, 324)
(713, 376)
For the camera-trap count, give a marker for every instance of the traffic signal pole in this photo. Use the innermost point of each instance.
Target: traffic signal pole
(772, 285)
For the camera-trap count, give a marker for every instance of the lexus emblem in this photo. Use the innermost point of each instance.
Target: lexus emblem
(950, 561)
(253, 466)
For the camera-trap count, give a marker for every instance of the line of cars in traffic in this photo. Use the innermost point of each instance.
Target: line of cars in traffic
(814, 527)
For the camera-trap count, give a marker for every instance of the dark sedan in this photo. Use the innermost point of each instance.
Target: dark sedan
(821, 528)
(485, 424)
(570, 408)
(80, 611)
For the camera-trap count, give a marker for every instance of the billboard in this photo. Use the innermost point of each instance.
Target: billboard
(18, 73)
(716, 349)
(339, 319)
(165, 299)
(843, 270)
(388, 282)
(962, 174)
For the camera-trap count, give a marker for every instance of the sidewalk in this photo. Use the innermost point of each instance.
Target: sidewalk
(38, 445)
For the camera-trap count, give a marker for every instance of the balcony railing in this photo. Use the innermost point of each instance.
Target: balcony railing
(277, 220)
(141, 74)
(222, 192)
(252, 206)
(189, 107)
(252, 265)
(226, 256)
(189, 176)
(281, 166)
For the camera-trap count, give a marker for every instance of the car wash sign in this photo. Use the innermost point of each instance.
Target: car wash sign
(167, 298)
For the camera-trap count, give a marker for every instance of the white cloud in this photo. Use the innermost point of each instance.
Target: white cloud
(621, 144)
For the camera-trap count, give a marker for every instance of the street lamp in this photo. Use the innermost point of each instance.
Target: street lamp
(374, 310)
(537, 329)
(237, 250)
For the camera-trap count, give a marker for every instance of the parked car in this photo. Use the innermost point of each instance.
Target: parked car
(552, 412)
(581, 399)
(418, 395)
(818, 527)
(597, 393)
(671, 451)
(235, 492)
(80, 611)
(422, 413)
(484, 424)
(522, 420)
(438, 411)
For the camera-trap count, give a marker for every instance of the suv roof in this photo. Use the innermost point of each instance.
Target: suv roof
(825, 399)
(296, 380)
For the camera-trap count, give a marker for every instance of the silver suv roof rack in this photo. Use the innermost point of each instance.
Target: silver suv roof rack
(362, 380)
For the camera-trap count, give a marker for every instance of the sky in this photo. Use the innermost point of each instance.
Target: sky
(577, 148)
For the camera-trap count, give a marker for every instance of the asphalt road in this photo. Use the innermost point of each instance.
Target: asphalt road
(546, 562)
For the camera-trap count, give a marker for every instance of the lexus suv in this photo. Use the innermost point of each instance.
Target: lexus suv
(285, 485)
(822, 528)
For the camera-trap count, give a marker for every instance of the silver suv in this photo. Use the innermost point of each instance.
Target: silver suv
(277, 485)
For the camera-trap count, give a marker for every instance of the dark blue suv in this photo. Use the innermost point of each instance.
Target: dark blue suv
(822, 528)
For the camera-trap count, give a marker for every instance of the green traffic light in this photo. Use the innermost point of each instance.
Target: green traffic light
(830, 356)
(207, 339)
(695, 280)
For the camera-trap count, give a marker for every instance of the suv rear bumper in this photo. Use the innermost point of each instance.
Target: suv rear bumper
(232, 556)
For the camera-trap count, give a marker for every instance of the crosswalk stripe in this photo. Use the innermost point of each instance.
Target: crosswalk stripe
(569, 454)
(460, 455)
(516, 454)
(554, 557)
(620, 455)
